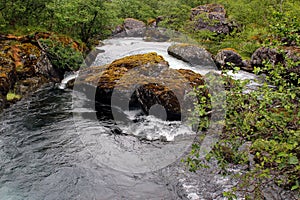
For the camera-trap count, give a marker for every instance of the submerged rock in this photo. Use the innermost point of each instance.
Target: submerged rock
(143, 81)
(192, 54)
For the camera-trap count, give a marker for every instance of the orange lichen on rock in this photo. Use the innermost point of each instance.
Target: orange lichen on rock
(15, 55)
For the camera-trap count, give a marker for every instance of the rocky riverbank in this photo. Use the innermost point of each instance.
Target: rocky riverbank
(27, 62)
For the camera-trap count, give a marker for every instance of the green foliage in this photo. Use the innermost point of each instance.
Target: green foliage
(142, 10)
(285, 28)
(201, 108)
(83, 19)
(24, 13)
(175, 17)
(62, 56)
(268, 118)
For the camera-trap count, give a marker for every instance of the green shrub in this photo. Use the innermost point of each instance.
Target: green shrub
(62, 56)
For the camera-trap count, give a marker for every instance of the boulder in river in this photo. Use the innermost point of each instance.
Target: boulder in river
(130, 28)
(228, 58)
(142, 81)
(156, 35)
(192, 54)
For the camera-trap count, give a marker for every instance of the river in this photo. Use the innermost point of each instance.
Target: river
(53, 147)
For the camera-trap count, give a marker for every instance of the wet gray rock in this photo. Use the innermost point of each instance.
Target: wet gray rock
(130, 28)
(212, 17)
(228, 58)
(156, 35)
(44, 67)
(247, 66)
(2, 102)
(131, 23)
(191, 54)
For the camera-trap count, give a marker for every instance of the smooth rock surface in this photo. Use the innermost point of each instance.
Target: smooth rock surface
(192, 54)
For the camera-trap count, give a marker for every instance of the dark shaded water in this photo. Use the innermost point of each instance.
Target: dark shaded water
(43, 157)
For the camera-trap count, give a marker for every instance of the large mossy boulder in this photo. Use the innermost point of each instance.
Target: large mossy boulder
(192, 54)
(212, 17)
(142, 81)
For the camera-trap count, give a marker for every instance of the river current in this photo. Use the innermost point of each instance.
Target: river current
(53, 147)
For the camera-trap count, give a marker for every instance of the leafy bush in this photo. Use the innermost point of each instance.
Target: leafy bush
(285, 28)
(62, 55)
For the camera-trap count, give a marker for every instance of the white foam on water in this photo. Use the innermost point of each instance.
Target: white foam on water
(68, 78)
(152, 128)
(115, 48)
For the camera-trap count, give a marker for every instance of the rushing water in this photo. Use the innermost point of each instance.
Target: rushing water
(51, 149)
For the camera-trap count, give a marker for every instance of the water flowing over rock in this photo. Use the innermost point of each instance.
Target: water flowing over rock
(191, 54)
(211, 17)
(143, 80)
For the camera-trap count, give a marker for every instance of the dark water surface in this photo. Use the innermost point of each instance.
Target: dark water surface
(43, 157)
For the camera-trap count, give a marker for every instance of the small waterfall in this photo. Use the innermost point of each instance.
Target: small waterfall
(67, 78)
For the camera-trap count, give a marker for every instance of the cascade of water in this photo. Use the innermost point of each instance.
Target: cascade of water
(67, 78)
